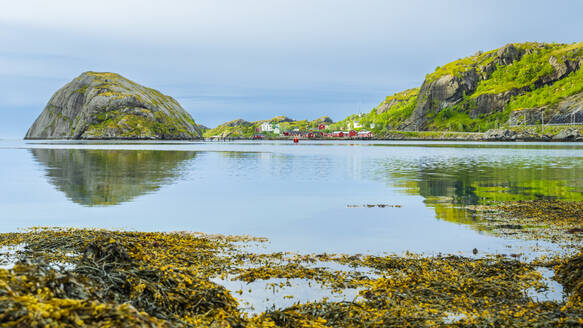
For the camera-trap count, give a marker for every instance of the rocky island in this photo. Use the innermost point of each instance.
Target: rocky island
(109, 106)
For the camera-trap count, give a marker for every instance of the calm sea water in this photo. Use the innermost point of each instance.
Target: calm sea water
(299, 196)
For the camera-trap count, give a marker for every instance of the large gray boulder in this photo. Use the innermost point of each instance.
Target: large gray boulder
(109, 106)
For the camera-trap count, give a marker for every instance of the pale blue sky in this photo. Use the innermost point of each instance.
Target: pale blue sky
(224, 60)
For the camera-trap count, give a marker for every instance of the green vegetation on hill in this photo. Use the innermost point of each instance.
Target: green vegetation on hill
(233, 129)
(108, 106)
(549, 94)
(455, 68)
(244, 129)
(533, 66)
(404, 103)
(480, 92)
(473, 94)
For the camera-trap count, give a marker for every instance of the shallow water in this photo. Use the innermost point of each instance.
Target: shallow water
(299, 196)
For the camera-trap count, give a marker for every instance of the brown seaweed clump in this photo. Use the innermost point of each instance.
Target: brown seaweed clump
(557, 221)
(115, 271)
(40, 296)
(101, 278)
(570, 274)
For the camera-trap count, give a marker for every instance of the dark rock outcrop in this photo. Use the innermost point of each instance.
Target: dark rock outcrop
(109, 106)
(445, 91)
(491, 102)
(561, 68)
(569, 110)
(504, 56)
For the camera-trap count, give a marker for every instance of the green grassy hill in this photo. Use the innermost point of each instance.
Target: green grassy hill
(244, 129)
(518, 84)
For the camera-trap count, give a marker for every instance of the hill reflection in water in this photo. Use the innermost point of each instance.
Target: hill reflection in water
(450, 186)
(110, 177)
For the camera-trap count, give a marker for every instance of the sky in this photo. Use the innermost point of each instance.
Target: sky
(224, 60)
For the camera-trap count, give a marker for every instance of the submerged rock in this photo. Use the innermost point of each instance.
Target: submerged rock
(109, 106)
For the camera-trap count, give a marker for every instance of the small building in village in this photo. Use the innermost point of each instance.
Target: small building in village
(270, 127)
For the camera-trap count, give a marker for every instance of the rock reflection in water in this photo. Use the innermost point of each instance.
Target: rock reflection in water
(110, 177)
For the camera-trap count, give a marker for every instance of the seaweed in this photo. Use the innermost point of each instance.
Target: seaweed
(88, 277)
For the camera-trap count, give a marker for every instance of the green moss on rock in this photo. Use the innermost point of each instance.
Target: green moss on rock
(109, 106)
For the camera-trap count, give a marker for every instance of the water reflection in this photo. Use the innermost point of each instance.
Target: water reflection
(450, 185)
(110, 177)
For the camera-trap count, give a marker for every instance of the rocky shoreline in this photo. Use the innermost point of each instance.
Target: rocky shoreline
(519, 134)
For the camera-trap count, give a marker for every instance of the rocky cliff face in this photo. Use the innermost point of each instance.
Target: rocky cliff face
(440, 90)
(447, 90)
(486, 83)
(566, 111)
(109, 106)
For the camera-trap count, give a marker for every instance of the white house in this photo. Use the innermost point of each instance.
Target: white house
(269, 127)
(276, 130)
(372, 125)
(357, 125)
(266, 127)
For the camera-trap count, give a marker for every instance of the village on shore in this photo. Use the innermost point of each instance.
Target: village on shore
(323, 130)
